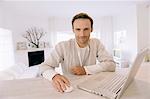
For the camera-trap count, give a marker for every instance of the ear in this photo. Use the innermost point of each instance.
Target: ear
(73, 30)
(92, 30)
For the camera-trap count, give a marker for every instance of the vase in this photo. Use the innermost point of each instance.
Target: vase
(31, 45)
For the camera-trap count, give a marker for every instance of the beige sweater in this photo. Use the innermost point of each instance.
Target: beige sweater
(66, 53)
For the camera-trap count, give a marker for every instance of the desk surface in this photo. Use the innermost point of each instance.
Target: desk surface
(39, 88)
(140, 87)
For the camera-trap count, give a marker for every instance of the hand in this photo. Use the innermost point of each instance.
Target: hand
(78, 70)
(59, 82)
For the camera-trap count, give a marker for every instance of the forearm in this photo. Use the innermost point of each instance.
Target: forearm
(47, 72)
(100, 67)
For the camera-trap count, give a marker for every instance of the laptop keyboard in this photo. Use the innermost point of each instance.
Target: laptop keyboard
(110, 86)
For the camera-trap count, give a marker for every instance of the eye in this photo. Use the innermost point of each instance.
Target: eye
(86, 29)
(78, 29)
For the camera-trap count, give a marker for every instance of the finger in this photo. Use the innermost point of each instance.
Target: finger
(58, 86)
(77, 73)
(65, 80)
(55, 86)
(62, 85)
(74, 71)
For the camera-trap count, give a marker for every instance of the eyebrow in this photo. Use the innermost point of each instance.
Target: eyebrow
(83, 28)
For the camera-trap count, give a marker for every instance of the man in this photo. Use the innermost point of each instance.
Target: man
(77, 56)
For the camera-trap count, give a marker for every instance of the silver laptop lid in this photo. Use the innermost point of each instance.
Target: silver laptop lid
(133, 70)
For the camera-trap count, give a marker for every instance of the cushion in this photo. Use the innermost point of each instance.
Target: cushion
(19, 71)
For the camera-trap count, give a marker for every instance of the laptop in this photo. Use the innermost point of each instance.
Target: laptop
(113, 86)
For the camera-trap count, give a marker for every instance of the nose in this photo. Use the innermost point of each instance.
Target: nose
(82, 33)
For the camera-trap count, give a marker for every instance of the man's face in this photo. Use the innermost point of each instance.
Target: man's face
(82, 29)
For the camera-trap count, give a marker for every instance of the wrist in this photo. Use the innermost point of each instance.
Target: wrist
(49, 74)
(55, 76)
(86, 70)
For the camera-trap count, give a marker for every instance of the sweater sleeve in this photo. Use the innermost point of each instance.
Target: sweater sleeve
(105, 61)
(47, 68)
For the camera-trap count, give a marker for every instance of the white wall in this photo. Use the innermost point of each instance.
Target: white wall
(19, 25)
(22, 15)
(126, 21)
(1, 15)
(142, 25)
(149, 24)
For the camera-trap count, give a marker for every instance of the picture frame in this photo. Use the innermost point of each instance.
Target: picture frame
(47, 45)
(21, 45)
(42, 45)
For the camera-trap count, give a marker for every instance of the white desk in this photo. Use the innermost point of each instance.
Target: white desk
(39, 88)
(140, 87)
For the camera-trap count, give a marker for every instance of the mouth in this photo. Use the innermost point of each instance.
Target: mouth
(84, 37)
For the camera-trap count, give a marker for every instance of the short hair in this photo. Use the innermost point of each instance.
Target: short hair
(82, 16)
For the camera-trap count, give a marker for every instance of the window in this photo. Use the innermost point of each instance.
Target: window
(96, 35)
(6, 49)
(64, 35)
(119, 38)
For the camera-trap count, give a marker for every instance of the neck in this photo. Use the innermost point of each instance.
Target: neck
(82, 45)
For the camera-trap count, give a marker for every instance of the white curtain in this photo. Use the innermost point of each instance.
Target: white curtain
(6, 49)
(104, 26)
